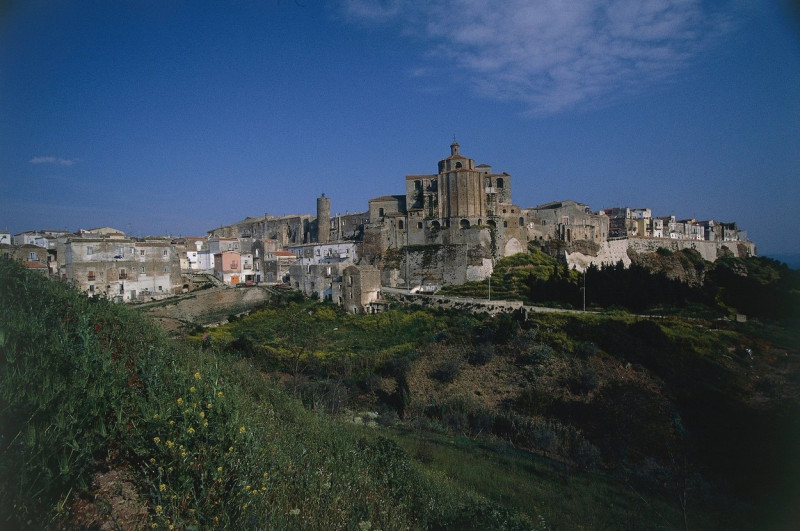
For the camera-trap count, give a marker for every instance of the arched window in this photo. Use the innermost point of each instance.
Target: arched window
(521, 222)
(381, 212)
(500, 182)
(436, 225)
(400, 224)
(464, 223)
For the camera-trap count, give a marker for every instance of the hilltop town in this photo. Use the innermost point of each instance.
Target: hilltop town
(449, 227)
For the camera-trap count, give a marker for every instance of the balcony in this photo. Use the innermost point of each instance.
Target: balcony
(91, 278)
(123, 276)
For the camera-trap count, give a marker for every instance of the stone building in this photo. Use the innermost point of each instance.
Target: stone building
(33, 257)
(354, 287)
(566, 221)
(464, 213)
(121, 268)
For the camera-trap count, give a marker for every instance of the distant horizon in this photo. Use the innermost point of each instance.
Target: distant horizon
(177, 118)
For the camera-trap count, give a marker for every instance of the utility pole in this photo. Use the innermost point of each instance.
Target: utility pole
(584, 289)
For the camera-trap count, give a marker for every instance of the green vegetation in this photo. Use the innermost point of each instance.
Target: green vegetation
(665, 282)
(557, 421)
(87, 385)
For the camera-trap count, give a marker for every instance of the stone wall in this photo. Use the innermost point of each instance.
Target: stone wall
(611, 252)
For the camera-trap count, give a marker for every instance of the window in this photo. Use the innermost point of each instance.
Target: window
(166, 269)
(400, 224)
(381, 212)
(90, 276)
(500, 183)
(141, 252)
(90, 250)
(32, 257)
(143, 270)
(419, 224)
(165, 252)
(91, 287)
(160, 288)
(123, 274)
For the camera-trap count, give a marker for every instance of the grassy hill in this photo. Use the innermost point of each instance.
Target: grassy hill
(301, 416)
(197, 438)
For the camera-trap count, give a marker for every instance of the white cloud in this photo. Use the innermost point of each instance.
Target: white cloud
(53, 160)
(552, 55)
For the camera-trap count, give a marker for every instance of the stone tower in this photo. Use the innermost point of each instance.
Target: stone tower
(461, 187)
(323, 219)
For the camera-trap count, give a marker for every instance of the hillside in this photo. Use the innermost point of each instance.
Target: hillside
(106, 423)
(670, 409)
(299, 415)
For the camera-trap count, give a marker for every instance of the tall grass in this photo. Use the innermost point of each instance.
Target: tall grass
(86, 384)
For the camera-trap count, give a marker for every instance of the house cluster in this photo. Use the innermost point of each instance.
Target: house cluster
(448, 227)
(101, 261)
(640, 223)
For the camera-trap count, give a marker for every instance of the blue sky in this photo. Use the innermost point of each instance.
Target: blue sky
(176, 117)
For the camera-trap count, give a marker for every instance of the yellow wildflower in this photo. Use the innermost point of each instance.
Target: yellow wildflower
(180, 400)
(202, 414)
(192, 389)
(197, 376)
(205, 424)
(190, 431)
(155, 415)
(219, 469)
(157, 440)
(208, 406)
(170, 444)
(241, 429)
(172, 423)
(159, 509)
(152, 460)
(219, 394)
(183, 454)
(162, 487)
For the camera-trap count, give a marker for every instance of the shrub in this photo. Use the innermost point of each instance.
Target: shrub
(481, 354)
(447, 370)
